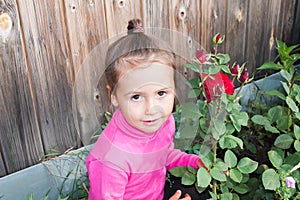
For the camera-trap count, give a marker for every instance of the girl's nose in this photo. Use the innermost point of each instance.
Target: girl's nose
(150, 106)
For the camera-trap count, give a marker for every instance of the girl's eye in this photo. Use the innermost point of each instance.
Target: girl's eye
(136, 97)
(162, 93)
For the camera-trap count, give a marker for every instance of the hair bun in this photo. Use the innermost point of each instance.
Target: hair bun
(135, 26)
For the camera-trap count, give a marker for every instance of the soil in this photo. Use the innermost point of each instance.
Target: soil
(175, 184)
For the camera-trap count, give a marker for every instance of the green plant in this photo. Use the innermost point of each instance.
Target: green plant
(220, 118)
(283, 122)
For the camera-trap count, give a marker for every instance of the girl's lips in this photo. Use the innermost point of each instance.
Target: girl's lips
(150, 122)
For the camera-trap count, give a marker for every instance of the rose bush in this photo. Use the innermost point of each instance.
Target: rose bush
(228, 137)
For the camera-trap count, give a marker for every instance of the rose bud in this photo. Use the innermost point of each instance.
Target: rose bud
(244, 76)
(235, 69)
(200, 55)
(218, 39)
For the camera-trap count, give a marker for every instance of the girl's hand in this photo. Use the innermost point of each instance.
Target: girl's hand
(177, 195)
(200, 164)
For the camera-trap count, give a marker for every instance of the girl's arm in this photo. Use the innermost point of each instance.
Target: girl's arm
(177, 158)
(105, 182)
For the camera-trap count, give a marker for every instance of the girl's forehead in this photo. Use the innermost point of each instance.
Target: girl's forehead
(147, 74)
(146, 70)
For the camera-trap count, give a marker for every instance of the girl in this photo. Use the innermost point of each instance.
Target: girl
(131, 156)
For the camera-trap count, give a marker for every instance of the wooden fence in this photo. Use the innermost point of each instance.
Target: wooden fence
(44, 43)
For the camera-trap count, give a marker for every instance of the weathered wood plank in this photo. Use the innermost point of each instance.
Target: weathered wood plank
(294, 35)
(47, 49)
(3, 171)
(118, 13)
(236, 30)
(87, 30)
(289, 20)
(20, 139)
(213, 15)
(184, 21)
(255, 39)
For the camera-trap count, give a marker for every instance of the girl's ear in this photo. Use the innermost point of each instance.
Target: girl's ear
(113, 98)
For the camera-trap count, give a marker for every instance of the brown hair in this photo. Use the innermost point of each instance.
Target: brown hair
(134, 49)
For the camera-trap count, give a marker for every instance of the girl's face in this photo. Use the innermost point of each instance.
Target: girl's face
(145, 95)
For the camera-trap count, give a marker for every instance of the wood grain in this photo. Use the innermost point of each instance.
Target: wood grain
(54, 45)
(47, 50)
(118, 13)
(20, 139)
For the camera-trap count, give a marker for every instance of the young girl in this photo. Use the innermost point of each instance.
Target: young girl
(131, 156)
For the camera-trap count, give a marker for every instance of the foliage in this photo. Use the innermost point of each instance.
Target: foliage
(225, 129)
(283, 123)
(220, 118)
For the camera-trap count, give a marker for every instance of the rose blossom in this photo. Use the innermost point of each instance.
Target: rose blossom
(214, 83)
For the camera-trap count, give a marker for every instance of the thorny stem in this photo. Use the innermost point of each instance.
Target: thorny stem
(237, 94)
(289, 112)
(214, 161)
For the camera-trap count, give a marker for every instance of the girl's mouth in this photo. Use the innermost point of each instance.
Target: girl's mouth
(150, 122)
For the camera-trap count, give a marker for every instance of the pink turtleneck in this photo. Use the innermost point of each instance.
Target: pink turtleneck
(126, 163)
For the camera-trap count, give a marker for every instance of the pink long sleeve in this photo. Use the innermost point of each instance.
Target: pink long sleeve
(126, 163)
(105, 182)
(178, 158)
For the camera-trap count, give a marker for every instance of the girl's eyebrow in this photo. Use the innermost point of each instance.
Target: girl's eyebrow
(142, 93)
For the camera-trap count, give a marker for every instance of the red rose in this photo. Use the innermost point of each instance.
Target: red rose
(215, 84)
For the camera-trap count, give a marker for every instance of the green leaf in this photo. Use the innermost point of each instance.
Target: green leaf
(178, 171)
(260, 120)
(243, 118)
(218, 174)
(230, 142)
(286, 75)
(194, 93)
(235, 123)
(230, 159)
(297, 132)
(227, 143)
(190, 110)
(219, 127)
(286, 87)
(297, 115)
(193, 67)
(275, 159)
(297, 145)
(226, 196)
(203, 178)
(241, 188)
(292, 105)
(275, 113)
(275, 93)
(188, 179)
(246, 165)
(270, 179)
(270, 65)
(237, 140)
(225, 69)
(271, 128)
(283, 141)
(236, 175)
(192, 170)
